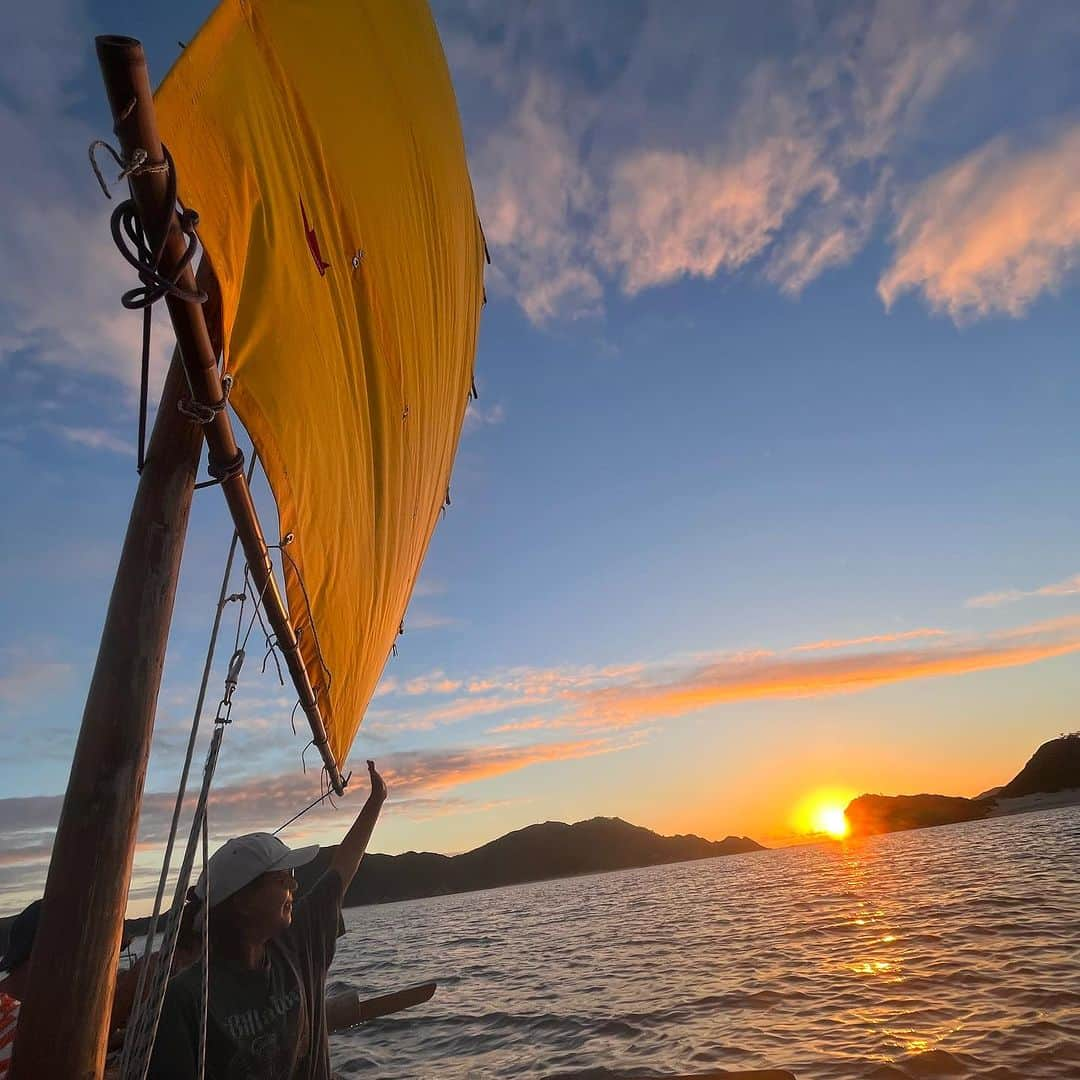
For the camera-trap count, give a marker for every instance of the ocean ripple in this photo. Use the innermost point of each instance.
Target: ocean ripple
(948, 952)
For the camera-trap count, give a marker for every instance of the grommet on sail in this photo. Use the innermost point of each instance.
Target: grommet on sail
(302, 141)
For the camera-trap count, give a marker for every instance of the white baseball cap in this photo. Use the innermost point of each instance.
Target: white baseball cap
(239, 861)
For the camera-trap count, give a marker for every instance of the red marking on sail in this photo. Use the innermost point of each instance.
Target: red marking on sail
(313, 242)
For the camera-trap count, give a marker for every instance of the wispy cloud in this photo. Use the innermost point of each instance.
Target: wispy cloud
(435, 682)
(25, 675)
(531, 184)
(634, 694)
(425, 588)
(1069, 587)
(689, 150)
(496, 693)
(532, 723)
(464, 708)
(993, 232)
(419, 783)
(430, 620)
(726, 681)
(436, 770)
(388, 684)
(870, 639)
(477, 416)
(60, 304)
(94, 439)
(673, 214)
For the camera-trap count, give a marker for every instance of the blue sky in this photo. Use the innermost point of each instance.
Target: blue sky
(770, 483)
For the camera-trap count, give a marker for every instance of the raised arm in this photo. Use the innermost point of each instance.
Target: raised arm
(351, 850)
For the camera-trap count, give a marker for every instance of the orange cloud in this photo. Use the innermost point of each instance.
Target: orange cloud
(424, 770)
(532, 724)
(464, 709)
(435, 683)
(728, 681)
(627, 695)
(993, 232)
(674, 213)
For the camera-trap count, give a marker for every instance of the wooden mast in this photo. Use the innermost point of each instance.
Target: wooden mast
(64, 1020)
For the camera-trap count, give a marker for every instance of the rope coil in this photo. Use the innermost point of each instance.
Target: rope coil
(130, 238)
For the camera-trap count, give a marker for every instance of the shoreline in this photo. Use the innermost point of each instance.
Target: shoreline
(1026, 804)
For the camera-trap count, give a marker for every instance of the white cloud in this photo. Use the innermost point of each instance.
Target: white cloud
(94, 439)
(60, 305)
(673, 214)
(1069, 587)
(477, 416)
(531, 183)
(681, 156)
(430, 620)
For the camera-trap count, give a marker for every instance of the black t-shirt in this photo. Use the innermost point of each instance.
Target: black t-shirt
(262, 1025)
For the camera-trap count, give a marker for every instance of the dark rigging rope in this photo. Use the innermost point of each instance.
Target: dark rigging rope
(131, 241)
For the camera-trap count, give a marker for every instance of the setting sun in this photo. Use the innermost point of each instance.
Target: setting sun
(831, 820)
(821, 813)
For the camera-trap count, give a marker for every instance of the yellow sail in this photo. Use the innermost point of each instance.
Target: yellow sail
(321, 146)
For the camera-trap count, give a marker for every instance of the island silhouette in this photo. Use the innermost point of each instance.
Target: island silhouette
(1050, 778)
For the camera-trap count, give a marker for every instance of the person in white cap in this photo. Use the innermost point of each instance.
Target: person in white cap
(269, 954)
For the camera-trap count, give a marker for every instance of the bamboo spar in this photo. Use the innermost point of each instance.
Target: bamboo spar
(127, 84)
(64, 1020)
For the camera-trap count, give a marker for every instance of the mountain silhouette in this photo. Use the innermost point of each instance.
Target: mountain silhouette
(535, 853)
(1054, 767)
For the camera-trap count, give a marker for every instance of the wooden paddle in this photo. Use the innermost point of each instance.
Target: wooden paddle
(347, 1010)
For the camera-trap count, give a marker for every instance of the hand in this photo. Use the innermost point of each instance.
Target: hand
(378, 784)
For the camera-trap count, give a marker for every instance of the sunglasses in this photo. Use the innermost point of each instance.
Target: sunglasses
(281, 875)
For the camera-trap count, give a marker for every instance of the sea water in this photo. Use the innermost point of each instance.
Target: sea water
(951, 952)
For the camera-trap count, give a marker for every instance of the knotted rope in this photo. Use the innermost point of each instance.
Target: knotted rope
(131, 241)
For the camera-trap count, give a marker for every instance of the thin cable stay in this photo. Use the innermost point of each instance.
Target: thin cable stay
(154, 975)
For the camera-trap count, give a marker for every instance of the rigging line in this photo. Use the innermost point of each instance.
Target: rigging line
(258, 599)
(310, 806)
(144, 390)
(240, 616)
(329, 788)
(204, 1004)
(270, 640)
(142, 1029)
(223, 599)
(310, 617)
